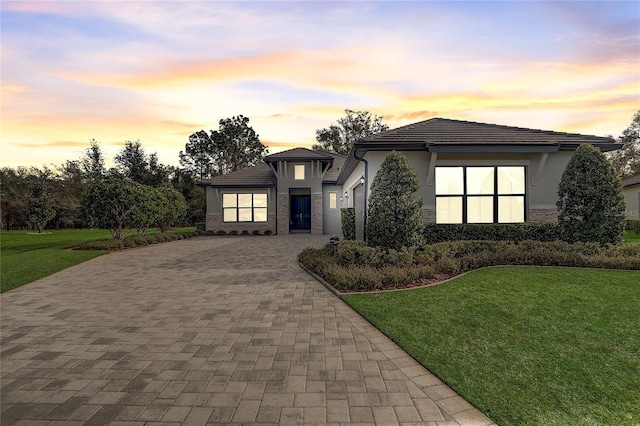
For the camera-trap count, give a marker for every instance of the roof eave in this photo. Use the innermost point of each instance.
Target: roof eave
(247, 185)
(604, 146)
(511, 148)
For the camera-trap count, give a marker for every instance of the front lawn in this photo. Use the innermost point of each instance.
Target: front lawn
(26, 257)
(631, 236)
(526, 345)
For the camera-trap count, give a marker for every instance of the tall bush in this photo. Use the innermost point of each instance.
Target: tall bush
(394, 217)
(590, 199)
(175, 209)
(39, 209)
(348, 218)
(113, 204)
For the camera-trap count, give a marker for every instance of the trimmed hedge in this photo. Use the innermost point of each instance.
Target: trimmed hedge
(348, 218)
(535, 231)
(135, 241)
(355, 266)
(633, 225)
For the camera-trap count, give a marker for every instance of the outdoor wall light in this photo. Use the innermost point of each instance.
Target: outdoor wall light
(346, 194)
(362, 180)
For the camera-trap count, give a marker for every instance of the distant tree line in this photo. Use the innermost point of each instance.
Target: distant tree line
(61, 196)
(84, 193)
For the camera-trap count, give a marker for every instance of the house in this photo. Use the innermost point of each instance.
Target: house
(469, 173)
(631, 189)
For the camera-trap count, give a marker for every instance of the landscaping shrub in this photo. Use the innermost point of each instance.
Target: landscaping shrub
(590, 199)
(633, 225)
(348, 218)
(538, 231)
(268, 232)
(135, 241)
(255, 232)
(201, 227)
(221, 232)
(355, 266)
(244, 232)
(394, 217)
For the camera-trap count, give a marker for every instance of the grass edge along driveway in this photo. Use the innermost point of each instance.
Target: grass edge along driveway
(526, 345)
(26, 257)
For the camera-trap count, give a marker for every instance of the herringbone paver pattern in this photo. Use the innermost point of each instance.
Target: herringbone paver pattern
(214, 330)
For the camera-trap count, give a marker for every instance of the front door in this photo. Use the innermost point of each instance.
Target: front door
(300, 213)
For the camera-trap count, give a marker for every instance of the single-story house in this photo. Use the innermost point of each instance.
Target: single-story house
(469, 173)
(631, 189)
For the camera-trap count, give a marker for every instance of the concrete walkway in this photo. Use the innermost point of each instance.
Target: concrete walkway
(214, 330)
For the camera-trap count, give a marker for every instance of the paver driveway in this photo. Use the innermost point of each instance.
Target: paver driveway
(204, 331)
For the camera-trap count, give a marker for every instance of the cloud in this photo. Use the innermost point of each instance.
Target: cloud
(53, 144)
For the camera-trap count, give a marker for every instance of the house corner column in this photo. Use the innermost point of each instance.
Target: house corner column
(317, 224)
(283, 213)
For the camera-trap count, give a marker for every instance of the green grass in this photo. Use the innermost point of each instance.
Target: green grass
(526, 345)
(631, 236)
(26, 257)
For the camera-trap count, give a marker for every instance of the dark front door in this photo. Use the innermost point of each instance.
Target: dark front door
(300, 213)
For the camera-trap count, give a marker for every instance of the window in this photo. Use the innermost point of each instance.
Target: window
(244, 207)
(298, 172)
(480, 194)
(333, 200)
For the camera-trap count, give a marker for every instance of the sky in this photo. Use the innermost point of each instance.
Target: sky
(158, 71)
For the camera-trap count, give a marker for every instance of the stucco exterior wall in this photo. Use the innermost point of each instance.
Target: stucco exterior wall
(632, 201)
(214, 218)
(288, 185)
(543, 174)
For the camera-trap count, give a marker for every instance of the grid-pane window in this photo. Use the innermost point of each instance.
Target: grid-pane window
(244, 207)
(480, 194)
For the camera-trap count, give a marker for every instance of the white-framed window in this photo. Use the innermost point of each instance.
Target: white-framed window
(244, 207)
(333, 200)
(298, 171)
(480, 194)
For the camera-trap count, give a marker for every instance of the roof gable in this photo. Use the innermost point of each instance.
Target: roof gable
(298, 154)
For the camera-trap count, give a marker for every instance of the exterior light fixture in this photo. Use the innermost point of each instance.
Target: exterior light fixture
(362, 180)
(346, 194)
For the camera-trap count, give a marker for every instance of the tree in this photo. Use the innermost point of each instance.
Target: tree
(114, 204)
(185, 183)
(590, 199)
(626, 160)
(198, 157)
(234, 146)
(14, 197)
(134, 163)
(92, 162)
(394, 217)
(174, 210)
(40, 211)
(355, 125)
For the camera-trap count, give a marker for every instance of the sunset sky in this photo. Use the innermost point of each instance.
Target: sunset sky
(158, 71)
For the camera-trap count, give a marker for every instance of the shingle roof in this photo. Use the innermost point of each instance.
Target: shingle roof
(298, 154)
(633, 180)
(260, 176)
(338, 162)
(438, 131)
